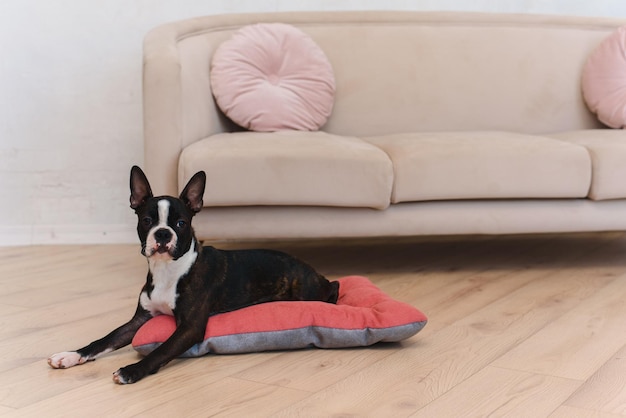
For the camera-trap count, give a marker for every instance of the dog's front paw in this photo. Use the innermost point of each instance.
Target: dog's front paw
(129, 374)
(65, 359)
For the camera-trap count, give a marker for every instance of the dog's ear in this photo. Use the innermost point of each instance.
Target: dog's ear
(193, 192)
(140, 189)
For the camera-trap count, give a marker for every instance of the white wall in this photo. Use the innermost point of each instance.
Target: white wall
(70, 102)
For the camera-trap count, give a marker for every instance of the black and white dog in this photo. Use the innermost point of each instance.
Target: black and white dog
(192, 282)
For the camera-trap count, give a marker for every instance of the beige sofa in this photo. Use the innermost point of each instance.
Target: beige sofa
(443, 123)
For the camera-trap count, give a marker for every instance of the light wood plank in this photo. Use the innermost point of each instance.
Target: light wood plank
(605, 391)
(571, 412)
(237, 398)
(496, 392)
(586, 337)
(96, 304)
(313, 370)
(4, 411)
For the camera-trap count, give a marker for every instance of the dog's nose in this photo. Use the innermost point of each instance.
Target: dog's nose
(163, 235)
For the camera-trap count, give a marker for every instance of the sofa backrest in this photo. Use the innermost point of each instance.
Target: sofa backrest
(463, 73)
(395, 72)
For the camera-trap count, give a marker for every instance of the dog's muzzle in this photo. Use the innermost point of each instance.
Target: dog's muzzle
(161, 241)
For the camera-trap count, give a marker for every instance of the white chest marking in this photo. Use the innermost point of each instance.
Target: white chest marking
(165, 277)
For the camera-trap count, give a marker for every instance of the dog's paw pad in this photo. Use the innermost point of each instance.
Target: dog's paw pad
(65, 359)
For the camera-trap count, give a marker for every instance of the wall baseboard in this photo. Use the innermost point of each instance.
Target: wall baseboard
(66, 234)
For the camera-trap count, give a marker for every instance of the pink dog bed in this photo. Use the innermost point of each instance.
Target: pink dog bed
(363, 316)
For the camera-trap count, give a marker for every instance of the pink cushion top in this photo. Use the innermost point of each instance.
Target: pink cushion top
(271, 77)
(604, 80)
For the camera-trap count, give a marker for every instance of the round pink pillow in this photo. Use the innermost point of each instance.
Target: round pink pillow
(272, 77)
(604, 80)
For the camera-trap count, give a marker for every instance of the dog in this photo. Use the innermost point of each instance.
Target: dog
(192, 282)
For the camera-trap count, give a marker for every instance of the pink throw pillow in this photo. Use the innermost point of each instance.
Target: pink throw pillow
(272, 76)
(604, 80)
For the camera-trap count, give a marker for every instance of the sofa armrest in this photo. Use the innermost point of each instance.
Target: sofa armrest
(178, 106)
(162, 109)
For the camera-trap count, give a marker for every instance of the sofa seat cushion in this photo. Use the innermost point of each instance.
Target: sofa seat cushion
(289, 168)
(607, 148)
(484, 165)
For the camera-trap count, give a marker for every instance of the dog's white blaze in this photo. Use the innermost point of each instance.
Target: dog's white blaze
(165, 276)
(164, 212)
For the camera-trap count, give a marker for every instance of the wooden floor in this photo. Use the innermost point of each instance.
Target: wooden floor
(518, 326)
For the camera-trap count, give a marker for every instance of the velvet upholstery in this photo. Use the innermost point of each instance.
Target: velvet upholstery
(468, 123)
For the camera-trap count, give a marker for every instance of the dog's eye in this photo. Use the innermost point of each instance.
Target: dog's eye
(147, 221)
(181, 224)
